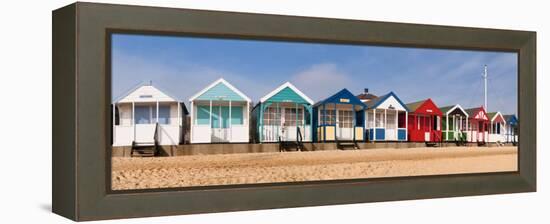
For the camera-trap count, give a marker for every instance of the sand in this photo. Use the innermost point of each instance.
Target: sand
(205, 170)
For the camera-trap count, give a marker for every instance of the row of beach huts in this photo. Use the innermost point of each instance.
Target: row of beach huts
(221, 113)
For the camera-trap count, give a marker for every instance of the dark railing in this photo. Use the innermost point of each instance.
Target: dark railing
(140, 148)
(439, 138)
(297, 144)
(156, 138)
(299, 137)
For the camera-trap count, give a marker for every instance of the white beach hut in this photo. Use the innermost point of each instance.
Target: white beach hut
(220, 114)
(146, 114)
(497, 130)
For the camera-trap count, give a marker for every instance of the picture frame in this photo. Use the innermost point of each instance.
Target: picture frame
(82, 94)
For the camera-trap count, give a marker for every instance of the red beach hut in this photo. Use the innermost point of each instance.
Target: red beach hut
(424, 121)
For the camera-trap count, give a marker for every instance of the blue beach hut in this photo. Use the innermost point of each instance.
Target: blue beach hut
(511, 128)
(339, 118)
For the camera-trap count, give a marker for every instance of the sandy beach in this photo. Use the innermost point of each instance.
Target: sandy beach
(204, 170)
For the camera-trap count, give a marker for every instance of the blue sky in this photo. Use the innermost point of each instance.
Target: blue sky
(183, 66)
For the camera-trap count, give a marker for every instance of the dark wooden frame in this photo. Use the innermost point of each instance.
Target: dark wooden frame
(81, 99)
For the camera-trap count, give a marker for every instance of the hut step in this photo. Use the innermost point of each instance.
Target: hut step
(344, 145)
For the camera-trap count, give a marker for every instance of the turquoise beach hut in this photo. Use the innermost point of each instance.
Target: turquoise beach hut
(219, 114)
(284, 114)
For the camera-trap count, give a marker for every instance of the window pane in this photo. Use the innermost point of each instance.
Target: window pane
(215, 117)
(329, 117)
(224, 116)
(203, 115)
(401, 120)
(236, 115)
(379, 118)
(164, 114)
(143, 115)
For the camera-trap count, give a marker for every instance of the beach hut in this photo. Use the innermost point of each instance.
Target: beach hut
(511, 129)
(386, 118)
(284, 114)
(424, 121)
(145, 116)
(454, 123)
(219, 114)
(497, 127)
(478, 125)
(339, 118)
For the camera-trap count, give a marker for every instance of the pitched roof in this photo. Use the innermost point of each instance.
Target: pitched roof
(493, 115)
(287, 92)
(220, 86)
(379, 100)
(343, 96)
(145, 92)
(472, 111)
(510, 118)
(367, 96)
(414, 105)
(448, 109)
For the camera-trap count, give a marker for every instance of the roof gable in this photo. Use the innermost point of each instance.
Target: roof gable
(388, 101)
(454, 109)
(286, 93)
(511, 119)
(424, 107)
(220, 90)
(343, 96)
(477, 113)
(496, 117)
(146, 93)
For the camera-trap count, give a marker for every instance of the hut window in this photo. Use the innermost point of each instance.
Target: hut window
(370, 122)
(496, 128)
(290, 117)
(345, 118)
(328, 117)
(271, 116)
(380, 119)
(203, 115)
(145, 114)
(164, 114)
(436, 123)
(401, 119)
(236, 115)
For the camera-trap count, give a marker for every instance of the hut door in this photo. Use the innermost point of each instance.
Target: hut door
(427, 128)
(220, 124)
(345, 125)
(391, 125)
(293, 118)
(480, 131)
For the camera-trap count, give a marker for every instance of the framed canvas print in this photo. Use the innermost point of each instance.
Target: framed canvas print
(203, 111)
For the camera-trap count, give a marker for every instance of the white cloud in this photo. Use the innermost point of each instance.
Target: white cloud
(321, 80)
(181, 80)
